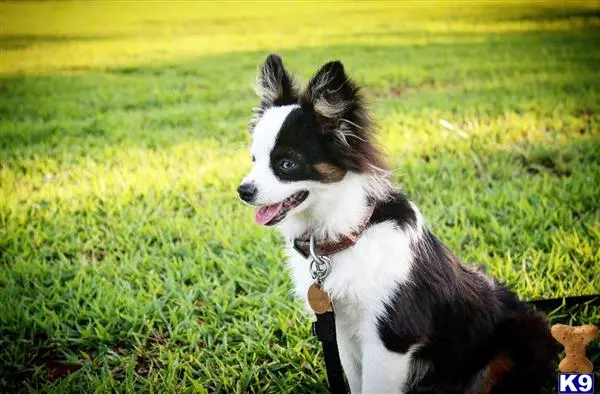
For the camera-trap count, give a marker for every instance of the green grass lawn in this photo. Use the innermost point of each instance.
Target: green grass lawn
(127, 262)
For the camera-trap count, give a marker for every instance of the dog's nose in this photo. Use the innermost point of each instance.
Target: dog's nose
(247, 191)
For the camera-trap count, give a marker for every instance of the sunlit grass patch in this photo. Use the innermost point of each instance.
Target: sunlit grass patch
(43, 37)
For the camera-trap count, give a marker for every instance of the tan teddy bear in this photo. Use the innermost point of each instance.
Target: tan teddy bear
(575, 340)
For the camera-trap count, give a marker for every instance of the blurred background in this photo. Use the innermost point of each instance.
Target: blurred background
(127, 262)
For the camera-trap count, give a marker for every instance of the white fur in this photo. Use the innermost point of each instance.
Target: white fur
(361, 281)
(338, 208)
(267, 129)
(384, 371)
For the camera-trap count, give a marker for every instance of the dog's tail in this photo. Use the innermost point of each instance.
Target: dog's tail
(529, 354)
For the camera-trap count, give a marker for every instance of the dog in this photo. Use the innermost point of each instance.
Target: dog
(410, 316)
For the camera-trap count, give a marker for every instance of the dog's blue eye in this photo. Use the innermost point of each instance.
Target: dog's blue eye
(287, 165)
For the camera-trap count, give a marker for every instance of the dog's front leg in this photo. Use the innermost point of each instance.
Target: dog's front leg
(349, 350)
(383, 371)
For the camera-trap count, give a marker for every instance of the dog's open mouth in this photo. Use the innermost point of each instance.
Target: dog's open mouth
(269, 215)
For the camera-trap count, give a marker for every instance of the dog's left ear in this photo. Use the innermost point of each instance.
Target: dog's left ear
(333, 96)
(342, 114)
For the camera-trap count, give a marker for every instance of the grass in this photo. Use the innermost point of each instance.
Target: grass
(126, 261)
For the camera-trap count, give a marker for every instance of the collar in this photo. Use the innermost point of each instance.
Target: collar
(326, 247)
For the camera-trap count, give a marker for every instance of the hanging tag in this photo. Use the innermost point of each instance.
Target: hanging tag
(318, 299)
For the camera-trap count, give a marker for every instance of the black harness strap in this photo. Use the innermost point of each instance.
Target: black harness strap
(554, 303)
(324, 330)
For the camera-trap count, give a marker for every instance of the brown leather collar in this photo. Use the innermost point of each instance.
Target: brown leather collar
(325, 247)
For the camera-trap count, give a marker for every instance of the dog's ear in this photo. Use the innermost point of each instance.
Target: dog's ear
(333, 96)
(274, 85)
(342, 114)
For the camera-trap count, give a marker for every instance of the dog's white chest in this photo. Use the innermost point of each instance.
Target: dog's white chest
(362, 277)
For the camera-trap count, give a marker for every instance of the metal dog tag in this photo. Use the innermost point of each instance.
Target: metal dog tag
(318, 299)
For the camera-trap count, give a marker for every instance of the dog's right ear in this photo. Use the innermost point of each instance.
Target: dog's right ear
(274, 85)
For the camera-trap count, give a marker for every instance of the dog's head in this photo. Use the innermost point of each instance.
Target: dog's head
(305, 142)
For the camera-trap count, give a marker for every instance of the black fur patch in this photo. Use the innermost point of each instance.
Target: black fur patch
(460, 320)
(397, 209)
(300, 140)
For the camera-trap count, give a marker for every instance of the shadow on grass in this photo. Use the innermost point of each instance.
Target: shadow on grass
(559, 14)
(23, 41)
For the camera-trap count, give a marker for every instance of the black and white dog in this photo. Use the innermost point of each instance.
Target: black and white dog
(410, 316)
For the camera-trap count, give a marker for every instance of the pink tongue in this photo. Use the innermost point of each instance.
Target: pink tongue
(265, 214)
